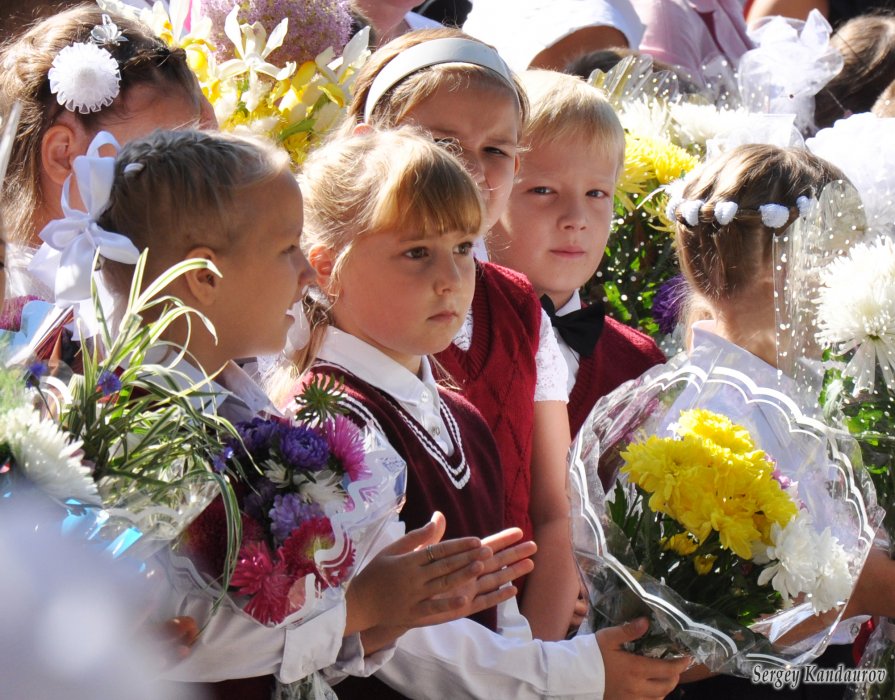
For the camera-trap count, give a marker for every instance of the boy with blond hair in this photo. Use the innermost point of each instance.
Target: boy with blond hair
(556, 227)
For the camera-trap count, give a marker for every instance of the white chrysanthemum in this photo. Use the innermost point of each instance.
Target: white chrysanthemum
(835, 580)
(325, 489)
(856, 311)
(793, 555)
(694, 124)
(46, 456)
(84, 78)
(808, 562)
(645, 118)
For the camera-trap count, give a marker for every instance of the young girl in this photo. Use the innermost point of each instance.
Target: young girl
(235, 203)
(505, 357)
(730, 270)
(132, 83)
(391, 220)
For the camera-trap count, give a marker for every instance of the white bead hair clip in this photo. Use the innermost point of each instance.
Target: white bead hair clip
(133, 168)
(773, 216)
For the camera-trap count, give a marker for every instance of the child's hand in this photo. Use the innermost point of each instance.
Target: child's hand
(176, 637)
(416, 580)
(579, 612)
(631, 676)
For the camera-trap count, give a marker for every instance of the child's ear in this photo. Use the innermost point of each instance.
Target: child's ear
(203, 285)
(58, 149)
(321, 259)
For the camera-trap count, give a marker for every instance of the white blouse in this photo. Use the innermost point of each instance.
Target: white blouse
(463, 659)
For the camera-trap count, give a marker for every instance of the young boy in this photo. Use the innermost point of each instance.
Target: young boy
(556, 226)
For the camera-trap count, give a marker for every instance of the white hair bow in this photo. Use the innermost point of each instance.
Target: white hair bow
(64, 262)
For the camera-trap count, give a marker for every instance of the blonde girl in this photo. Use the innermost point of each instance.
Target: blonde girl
(390, 223)
(505, 357)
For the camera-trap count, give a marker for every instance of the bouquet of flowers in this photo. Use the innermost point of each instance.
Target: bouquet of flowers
(855, 329)
(129, 447)
(712, 504)
(294, 104)
(316, 496)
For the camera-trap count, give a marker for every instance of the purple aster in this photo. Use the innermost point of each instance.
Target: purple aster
(668, 303)
(257, 503)
(290, 512)
(314, 25)
(303, 448)
(347, 447)
(108, 383)
(258, 435)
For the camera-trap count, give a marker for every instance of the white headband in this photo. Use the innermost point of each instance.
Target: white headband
(432, 53)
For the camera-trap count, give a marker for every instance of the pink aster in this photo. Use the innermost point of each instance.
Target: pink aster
(266, 581)
(346, 445)
(302, 545)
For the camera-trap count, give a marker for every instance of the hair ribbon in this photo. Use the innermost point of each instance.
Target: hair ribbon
(64, 262)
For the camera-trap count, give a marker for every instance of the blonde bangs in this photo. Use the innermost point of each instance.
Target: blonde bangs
(428, 195)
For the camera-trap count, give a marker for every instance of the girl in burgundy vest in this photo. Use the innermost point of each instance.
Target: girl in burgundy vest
(504, 359)
(390, 223)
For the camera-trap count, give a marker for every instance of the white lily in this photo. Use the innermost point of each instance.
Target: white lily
(253, 46)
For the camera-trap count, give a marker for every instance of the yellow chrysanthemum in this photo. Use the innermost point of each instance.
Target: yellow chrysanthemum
(682, 543)
(704, 563)
(710, 478)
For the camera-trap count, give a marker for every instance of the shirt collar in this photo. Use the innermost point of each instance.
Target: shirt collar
(378, 369)
(573, 304)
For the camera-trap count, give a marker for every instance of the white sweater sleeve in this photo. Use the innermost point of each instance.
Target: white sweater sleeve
(463, 659)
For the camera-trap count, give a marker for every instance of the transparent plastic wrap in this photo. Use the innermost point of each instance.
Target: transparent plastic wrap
(878, 658)
(719, 604)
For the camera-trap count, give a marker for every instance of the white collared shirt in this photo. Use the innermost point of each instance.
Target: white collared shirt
(463, 659)
(418, 395)
(552, 374)
(572, 358)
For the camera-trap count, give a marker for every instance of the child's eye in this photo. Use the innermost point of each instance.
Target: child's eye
(495, 151)
(416, 253)
(541, 189)
(599, 194)
(464, 248)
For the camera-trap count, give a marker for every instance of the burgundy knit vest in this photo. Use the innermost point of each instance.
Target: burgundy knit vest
(498, 376)
(622, 353)
(474, 509)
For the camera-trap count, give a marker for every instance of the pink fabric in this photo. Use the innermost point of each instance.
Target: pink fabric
(692, 33)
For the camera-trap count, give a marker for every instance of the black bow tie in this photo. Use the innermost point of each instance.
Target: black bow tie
(580, 329)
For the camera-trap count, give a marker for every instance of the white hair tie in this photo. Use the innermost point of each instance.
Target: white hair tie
(689, 210)
(64, 262)
(774, 215)
(725, 211)
(803, 204)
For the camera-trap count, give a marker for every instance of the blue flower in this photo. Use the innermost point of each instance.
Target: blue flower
(35, 371)
(219, 464)
(259, 436)
(303, 448)
(668, 303)
(288, 513)
(108, 383)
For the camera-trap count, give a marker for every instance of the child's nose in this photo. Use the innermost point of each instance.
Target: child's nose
(574, 216)
(447, 274)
